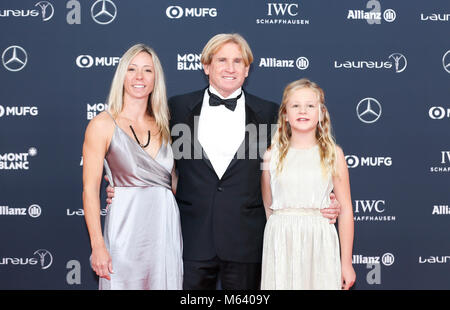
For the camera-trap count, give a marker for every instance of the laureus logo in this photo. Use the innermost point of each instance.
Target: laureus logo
(47, 10)
(45, 258)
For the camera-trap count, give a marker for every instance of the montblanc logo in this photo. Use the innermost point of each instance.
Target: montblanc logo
(18, 111)
(42, 8)
(88, 61)
(282, 14)
(176, 12)
(17, 161)
(439, 113)
(301, 63)
(43, 258)
(354, 161)
(396, 61)
(189, 62)
(372, 210)
(33, 211)
(386, 259)
(93, 109)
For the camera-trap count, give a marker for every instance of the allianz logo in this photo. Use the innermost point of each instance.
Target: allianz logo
(440, 210)
(386, 259)
(33, 211)
(375, 15)
(80, 212)
(301, 63)
(434, 260)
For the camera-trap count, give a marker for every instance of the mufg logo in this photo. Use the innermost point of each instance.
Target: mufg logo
(88, 61)
(175, 12)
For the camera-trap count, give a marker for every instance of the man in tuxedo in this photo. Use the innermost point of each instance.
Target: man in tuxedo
(219, 194)
(219, 172)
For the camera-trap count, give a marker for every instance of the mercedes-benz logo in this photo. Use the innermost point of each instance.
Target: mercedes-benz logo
(46, 15)
(446, 61)
(397, 57)
(368, 110)
(14, 58)
(103, 12)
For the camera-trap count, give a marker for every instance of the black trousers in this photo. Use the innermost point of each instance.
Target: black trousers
(216, 273)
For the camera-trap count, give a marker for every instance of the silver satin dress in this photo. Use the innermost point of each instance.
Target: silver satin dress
(142, 228)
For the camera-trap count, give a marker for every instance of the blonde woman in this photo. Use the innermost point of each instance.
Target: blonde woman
(141, 247)
(303, 165)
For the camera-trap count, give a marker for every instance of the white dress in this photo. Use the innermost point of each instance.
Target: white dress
(301, 247)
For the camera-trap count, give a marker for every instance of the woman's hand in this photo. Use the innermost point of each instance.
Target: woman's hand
(101, 262)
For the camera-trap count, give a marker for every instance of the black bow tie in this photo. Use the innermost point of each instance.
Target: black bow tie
(230, 104)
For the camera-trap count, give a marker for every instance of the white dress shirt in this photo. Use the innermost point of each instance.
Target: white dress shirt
(221, 131)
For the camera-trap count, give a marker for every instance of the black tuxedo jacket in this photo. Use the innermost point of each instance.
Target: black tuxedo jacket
(220, 217)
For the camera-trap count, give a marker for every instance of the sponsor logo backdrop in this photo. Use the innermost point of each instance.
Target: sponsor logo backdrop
(384, 66)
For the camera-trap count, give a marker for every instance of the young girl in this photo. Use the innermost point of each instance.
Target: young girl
(301, 168)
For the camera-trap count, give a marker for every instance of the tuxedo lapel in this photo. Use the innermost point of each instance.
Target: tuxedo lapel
(252, 122)
(192, 120)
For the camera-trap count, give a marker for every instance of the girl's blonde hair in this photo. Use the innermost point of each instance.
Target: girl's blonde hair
(157, 102)
(324, 136)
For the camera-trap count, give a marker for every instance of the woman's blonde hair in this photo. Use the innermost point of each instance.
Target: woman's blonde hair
(157, 102)
(219, 40)
(324, 136)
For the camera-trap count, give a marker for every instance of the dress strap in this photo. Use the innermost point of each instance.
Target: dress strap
(115, 123)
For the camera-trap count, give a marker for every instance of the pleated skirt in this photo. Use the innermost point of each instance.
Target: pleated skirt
(300, 252)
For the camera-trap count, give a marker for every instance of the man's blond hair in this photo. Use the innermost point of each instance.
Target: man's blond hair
(219, 40)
